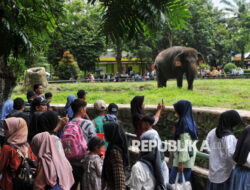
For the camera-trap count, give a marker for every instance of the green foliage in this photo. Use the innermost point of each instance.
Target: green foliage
(67, 67)
(229, 67)
(246, 71)
(232, 94)
(204, 65)
(79, 34)
(26, 23)
(122, 20)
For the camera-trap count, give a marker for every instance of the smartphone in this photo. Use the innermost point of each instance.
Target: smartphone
(162, 101)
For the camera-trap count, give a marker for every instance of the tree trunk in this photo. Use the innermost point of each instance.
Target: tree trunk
(242, 57)
(7, 81)
(170, 38)
(119, 57)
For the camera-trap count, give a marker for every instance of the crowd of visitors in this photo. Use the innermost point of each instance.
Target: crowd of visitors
(41, 150)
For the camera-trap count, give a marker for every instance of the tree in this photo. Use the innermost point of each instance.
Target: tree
(67, 67)
(24, 25)
(79, 34)
(239, 23)
(123, 20)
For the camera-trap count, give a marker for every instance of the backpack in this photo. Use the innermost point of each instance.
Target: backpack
(74, 145)
(26, 172)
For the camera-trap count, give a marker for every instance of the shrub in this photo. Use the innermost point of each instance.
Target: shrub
(229, 67)
(67, 67)
(204, 65)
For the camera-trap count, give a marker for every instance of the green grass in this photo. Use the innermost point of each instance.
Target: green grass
(212, 93)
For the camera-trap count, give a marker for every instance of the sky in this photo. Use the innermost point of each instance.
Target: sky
(218, 4)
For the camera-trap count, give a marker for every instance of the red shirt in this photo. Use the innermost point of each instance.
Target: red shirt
(9, 158)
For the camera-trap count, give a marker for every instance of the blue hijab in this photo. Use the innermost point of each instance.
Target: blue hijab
(67, 109)
(186, 123)
(7, 108)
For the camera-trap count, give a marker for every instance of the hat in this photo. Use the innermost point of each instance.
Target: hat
(113, 109)
(81, 93)
(39, 101)
(100, 105)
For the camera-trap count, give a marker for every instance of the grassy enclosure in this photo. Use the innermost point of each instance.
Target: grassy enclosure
(211, 93)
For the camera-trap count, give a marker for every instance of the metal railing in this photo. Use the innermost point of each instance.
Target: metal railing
(199, 154)
(129, 79)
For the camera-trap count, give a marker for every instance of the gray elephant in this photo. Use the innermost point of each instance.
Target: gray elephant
(174, 62)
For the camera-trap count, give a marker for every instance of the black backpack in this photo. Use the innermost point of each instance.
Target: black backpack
(26, 172)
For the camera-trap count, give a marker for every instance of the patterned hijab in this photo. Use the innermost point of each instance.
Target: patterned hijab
(17, 133)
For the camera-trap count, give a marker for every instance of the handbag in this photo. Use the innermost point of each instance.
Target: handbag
(186, 185)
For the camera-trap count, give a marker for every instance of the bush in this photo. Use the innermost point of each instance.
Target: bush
(204, 65)
(229, 67)
(246, 71)
(67, 67)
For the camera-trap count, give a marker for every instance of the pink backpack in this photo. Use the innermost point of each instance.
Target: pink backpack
(73, 143)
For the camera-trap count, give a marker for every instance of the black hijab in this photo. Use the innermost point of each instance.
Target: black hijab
(136, 109)
(47, 121)
(242, 147)
(117, 139)
(227, 121)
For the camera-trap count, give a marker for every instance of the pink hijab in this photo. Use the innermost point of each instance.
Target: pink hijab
(54, 162)
(17, 133)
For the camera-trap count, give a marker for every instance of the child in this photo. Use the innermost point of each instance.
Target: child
(92, 165)
(186, 131)
(222, 143)
(112, 114)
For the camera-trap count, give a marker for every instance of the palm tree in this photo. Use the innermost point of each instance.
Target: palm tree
(124, 19)
(240, 16)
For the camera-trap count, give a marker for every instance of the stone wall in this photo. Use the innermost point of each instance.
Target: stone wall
(206, 119)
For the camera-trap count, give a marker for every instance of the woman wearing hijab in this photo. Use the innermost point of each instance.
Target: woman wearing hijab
(16, 133)
(137, 106)
(240, 179)
(53, 167)
(222, 143)
(49, 121)
(116, 160)
(67, 109)
(185, 131)
(151, 171)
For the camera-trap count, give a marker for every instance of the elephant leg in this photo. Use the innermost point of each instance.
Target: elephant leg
(161, 80)
(180, 80)
(162, 83)
(190, 80)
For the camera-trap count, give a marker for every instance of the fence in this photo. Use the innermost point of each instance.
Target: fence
(199, 154)
(128, 79)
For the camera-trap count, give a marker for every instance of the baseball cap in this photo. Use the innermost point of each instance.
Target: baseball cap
(113, 109)
(39, 101)
(100, 105)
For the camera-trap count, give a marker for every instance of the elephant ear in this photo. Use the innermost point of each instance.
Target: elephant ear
(177, 60)
(201, 59)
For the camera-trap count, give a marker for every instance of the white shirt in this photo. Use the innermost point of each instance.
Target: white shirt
(247, 164)
(141, 177)
(220, 158)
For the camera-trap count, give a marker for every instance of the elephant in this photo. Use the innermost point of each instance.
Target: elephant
(174, 62)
